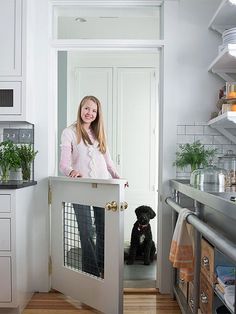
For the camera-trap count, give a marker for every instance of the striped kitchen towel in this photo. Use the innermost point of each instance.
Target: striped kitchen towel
(181, 250)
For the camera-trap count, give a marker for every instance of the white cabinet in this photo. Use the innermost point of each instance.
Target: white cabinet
(12, 69)
(5, 276)
(224, 18)
(10, 37)
(15, 249)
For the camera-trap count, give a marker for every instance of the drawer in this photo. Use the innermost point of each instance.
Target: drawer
(206, 295)
(5, 279)
(5, 203)
(190, 295)
(5, 234)
(207, 261)
(183, 285)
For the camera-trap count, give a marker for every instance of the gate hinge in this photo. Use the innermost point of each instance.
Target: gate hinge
(49, 195)
(50, 265)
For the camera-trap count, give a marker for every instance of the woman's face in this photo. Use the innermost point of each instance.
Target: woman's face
(89, 112)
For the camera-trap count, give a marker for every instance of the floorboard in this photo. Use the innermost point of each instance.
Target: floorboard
(136, 301)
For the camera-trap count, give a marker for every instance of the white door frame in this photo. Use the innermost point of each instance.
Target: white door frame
(93, 45)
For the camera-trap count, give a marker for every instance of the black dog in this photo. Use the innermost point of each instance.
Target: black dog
(141, 236)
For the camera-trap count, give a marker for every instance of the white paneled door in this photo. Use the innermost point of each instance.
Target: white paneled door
(129, 100)
(102, 291)
(136, 138)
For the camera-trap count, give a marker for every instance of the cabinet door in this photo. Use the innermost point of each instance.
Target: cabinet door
(10, 37)
(5, 234)
(206, 295)
(5, 279)
(5, 203)
(207, 261)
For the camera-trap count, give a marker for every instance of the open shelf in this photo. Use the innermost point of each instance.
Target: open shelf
(224, 17)
(225, 124)
(224, 65)
(225, 120)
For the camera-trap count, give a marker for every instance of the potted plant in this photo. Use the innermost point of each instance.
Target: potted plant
(26, 154)
(9, 159)
(195, 155)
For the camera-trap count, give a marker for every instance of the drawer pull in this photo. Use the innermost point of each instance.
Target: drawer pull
(181, 281)
(205, 261)
(191, 303)
(204, 298)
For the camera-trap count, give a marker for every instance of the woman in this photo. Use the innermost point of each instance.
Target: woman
(84, 153)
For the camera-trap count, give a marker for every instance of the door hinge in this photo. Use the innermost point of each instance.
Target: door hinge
(49, 195)
(118, 159)
(50, 265)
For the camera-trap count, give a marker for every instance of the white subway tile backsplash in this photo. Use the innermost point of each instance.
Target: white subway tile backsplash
(210, 131)
(221, 140)
(200, 123)
(194, 129)
(204, 139)
(182, 139)
(225, 148)
(208, 136)
(181, 129)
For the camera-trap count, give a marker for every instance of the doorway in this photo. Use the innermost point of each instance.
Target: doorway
(111, 50)
(127, 84)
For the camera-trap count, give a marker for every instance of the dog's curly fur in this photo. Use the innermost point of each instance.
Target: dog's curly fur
(141, 237)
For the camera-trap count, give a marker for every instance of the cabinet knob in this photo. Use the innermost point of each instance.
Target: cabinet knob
(111, 206)
(205, 262)
(123, 205)
(203, 297)
(191, 303)
(181, 281)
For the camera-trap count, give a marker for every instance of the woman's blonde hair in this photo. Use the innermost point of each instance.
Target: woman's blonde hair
(97, 125)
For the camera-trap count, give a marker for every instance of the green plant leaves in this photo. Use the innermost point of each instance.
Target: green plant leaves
(9, 157)
(13, 156)
(195, 155)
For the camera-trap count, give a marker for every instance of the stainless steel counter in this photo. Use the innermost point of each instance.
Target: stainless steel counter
(210, 196)
(214, 218)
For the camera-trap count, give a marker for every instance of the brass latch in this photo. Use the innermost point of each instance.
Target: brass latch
(114, 207)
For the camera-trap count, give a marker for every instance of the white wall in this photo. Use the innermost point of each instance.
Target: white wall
(37, 63)
(189, 94)
(198, 46)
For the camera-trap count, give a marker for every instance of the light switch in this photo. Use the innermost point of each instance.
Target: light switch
(26, 136)
(11, 134)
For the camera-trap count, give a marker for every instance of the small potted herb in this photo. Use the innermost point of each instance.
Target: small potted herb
(195, 155)
(26, 154)
(9, 159)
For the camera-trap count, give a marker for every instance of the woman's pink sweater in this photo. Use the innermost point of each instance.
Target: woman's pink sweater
(87, 159)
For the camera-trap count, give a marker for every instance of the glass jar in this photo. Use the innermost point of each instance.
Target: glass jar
(228, 162)
(230, 90)
(210, 178)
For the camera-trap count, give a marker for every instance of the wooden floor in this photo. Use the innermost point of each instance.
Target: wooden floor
(135, 302)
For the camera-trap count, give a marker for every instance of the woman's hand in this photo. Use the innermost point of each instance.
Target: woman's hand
(75, 174)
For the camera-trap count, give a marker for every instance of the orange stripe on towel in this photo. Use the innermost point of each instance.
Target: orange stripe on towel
(181, 255)
(181, 250)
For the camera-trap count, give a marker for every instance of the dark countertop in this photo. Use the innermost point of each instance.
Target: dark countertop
(14, 184)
